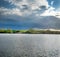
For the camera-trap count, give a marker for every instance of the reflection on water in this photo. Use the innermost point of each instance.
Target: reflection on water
(28, 45)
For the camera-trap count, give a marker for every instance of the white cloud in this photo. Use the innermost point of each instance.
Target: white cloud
(24, 7)
(27, 7)
(14, 11)
(33, 4)
(51, 12)
(58, 14)
(6, 11)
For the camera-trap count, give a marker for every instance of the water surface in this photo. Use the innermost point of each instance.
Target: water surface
(29, 45)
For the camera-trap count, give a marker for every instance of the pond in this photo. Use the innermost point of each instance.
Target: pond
(29, 45)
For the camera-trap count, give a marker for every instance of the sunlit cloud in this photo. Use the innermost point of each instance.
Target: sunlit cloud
(29, 7)
(5, 11)
(29, 2)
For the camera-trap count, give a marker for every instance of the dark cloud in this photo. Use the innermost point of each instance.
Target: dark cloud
(43, 7)
(24, 7)
(32, 22)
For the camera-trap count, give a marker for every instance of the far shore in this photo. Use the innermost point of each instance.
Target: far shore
(30, 31)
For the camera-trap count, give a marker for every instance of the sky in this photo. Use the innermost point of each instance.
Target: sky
(25, 14)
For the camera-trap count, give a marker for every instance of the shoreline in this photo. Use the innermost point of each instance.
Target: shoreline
(25, 34)
(30, 31)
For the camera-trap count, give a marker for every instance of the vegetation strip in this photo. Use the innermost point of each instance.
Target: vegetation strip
(30, 31)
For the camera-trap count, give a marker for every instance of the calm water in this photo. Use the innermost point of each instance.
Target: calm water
(28, 45)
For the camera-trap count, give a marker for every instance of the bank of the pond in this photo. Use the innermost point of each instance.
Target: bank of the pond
(30, 31)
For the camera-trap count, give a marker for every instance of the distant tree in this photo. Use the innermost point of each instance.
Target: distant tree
(9, 31)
